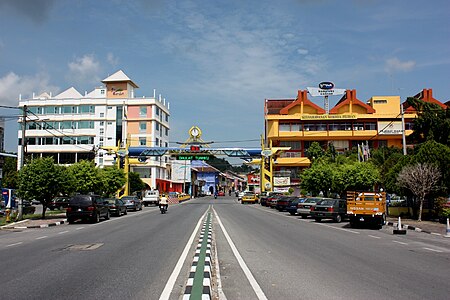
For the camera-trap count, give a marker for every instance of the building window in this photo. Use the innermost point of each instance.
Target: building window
(167, 131)
(157, 111)
(102, 123)
(102, 92)
(157, 142)
(102, 131)
(358, 126)
(382, 143)
(109, 107)
(380, 101)
(370, 126)
(285, 127)
(102, 115)
(157, 126)
(167, 118)
(142, 126)
(143, 111)
(142, 141)
(109, 123)
(86, 109)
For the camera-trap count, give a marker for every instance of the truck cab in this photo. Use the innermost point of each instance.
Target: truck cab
(150, 197)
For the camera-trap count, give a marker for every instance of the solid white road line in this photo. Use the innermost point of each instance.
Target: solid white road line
(343, 229)
(401, 243)
(434, 250)
(259, 292)
(176, 271)
(15, 244)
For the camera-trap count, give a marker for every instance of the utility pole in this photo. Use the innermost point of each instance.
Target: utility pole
(403, 129)
(22, 158)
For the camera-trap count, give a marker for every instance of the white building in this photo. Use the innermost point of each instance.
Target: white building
(71, 127)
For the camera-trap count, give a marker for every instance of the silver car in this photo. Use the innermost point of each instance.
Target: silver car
(132, 203)
(304, 208)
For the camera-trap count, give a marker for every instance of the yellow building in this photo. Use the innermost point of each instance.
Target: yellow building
(298, 122)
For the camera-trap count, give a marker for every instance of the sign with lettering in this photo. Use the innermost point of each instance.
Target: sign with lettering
(389, 128)
(327, 117)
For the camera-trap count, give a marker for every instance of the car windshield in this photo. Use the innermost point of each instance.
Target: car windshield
(327, 202)
(111, 201)
(249, 194)
(128, 198)
(80, 200)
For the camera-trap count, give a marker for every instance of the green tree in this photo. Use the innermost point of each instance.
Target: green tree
(314, 151)
(40, 180)
(433, 122)
(85, 178)
(317, 178)
(10, 174)
(136, 183)
(113, 179)
(437, 154)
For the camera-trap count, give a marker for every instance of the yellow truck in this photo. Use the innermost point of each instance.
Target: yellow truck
(367, 208)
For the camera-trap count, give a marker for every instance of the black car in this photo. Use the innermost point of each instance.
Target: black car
(87, 207)
(335, 209)
(116, 207)
(59, 203)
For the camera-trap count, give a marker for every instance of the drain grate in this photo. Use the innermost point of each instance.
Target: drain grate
(85, 247)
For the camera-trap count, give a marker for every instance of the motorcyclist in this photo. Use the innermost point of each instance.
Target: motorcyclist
(163, 202)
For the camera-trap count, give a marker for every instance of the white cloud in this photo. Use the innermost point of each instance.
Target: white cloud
(112, 60)
(302, 51)
(11, 85)
(85, 69)
(394, 65)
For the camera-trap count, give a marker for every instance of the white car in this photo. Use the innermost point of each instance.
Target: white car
(240, 195)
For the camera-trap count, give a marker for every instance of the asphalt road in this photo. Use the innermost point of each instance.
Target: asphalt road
(262, 254)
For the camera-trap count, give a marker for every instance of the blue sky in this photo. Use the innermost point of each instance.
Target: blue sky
(216, 61)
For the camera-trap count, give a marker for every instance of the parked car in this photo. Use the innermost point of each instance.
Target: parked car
(263, 199)
(335, 209)
(132, 203)
(116, 207)
(59, 203)
(292, 208)
(87, 207)
(220, 193)
(304, 208)
(284, 202)
(272, 200)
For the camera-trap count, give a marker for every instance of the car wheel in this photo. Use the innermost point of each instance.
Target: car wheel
(96, 218)
(126, 212)
(338, 219)
(318, 219)
(107, 217)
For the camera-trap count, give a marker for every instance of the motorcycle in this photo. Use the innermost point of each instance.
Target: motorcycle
(163, 208)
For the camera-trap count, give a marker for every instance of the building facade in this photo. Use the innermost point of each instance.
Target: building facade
(351, 123)
(71, 127)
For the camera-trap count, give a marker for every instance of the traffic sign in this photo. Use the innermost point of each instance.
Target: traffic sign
(266, 152)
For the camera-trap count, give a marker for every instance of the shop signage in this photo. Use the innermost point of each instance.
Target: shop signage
(281, 181)
(327, 117)
(389, 128)
(326, 85)
(328, 91)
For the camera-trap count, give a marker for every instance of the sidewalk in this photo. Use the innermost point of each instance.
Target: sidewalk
(423, 226)
(49, 221)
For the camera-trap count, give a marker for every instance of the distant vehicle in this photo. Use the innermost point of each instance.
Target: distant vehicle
(292, 208)
(264, 197)
(284, 202)
(304, 208)
(240, 195)
(249, 197)
(116, 207)
(132, 203)
(220, 193)
(87, 207)
(366, 207)
(59, 203)
(335, 209)
(150, 197)
(272, 200)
